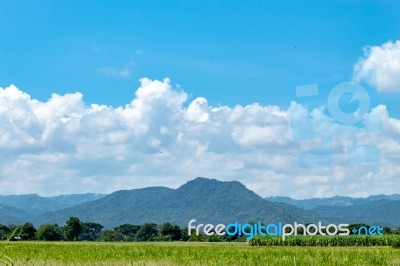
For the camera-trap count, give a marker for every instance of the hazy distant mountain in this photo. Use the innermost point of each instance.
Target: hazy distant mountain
(332, 201)
(36, 204)
(11, 215)
(207, 200)
(377, 209)
(382, 212)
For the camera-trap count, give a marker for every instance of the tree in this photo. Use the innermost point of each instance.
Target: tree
(90, 231)
(147, 231)
(4, 232)
(110, 236)
(184, 234)
(387, 230)
(49, 232)
(196, 238)
(73, 229)
(27, 231)
(128, 231)
(170, 232)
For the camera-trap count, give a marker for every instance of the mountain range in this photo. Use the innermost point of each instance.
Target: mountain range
(206, 200)
(376, 209)
(338, 201)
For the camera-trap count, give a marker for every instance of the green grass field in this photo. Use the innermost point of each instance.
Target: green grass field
(82, 253)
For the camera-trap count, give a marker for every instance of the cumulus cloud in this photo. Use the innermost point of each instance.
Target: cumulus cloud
(63, 146)
(198, 110)
(380, 66)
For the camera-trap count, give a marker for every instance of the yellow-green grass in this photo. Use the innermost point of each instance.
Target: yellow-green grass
(186, 253)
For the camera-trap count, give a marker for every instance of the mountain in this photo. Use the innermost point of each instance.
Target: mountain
(18, 209)
(35, 204)
(312, 203)
(11, 215)
(381, 210)
(206, 200)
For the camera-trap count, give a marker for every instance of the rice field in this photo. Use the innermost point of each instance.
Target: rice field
(187, 253)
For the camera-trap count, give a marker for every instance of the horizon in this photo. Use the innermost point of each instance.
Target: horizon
(210, 179)
(280, 96)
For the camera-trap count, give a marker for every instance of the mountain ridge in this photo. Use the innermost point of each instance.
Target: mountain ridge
(206, 200)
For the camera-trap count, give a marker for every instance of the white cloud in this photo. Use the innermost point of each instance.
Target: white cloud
(64, 146)
(380, 66)
(111, 71)
(198, 110)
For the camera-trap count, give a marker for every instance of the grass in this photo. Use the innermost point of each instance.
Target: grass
(4, 258)
(186, 253)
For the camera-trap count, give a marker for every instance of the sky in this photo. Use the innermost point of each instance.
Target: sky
(98, 96)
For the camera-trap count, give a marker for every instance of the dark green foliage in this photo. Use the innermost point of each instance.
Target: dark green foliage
(396, 243)
(90, 231)
(27, 232)
(73, 229)
(4, 232)
(387, 230)
(110, 236)
(196, 238)
(170, 232)
(49, 232)
(127, 231)
(214, 238)
(147, 231)
(184, 234)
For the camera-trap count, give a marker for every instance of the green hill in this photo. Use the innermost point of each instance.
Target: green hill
(206, 200)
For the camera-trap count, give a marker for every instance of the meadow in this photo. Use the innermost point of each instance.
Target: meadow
(189, 253)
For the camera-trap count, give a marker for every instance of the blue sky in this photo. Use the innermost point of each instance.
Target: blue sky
(112, 95)
(232, 52)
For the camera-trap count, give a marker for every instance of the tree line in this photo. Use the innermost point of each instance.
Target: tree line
(76, 230)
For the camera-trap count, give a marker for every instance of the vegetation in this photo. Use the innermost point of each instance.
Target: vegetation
(73, 229)
(324, 241)
(27, 232)
(396, 243)
(178, 253)
(76, 230)
(4, 258)
(50, 232)
(90, 231)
